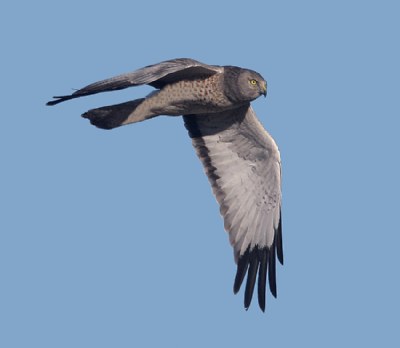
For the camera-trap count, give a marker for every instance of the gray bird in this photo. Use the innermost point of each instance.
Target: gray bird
(240, 158)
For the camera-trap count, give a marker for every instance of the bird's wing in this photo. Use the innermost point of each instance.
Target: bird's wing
(156, 75)
(242, 163)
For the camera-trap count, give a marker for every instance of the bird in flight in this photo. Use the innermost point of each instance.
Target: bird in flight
(240, 158)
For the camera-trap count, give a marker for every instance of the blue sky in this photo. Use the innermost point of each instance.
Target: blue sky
(113, 239)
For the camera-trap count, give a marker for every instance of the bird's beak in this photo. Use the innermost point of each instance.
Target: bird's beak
(264, 88)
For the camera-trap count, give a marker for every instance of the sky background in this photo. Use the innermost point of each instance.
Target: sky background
(114, 239)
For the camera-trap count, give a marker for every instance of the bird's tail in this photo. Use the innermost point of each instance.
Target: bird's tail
(112, 116)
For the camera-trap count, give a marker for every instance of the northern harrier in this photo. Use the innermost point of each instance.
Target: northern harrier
(240, 158)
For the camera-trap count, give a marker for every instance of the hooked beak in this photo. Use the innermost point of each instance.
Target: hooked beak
(264, 88)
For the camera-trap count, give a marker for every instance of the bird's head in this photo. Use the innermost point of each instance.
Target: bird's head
(244, 84)
(252, 84)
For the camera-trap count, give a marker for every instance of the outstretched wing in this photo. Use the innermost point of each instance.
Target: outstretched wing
(156, 75)
(242, 163)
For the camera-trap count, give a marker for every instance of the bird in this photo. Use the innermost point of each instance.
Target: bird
(240, 158)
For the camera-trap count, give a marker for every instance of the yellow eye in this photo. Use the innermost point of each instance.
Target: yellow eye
(253, 82)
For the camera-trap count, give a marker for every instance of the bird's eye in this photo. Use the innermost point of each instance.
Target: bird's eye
(253, 82)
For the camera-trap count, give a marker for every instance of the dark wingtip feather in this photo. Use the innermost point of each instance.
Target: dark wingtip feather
(99, 119)
(278, 240)
(59, 99)
(261, 261)
(242, 267)
(262, 277)
(111, 116)
(272, 271)
(251, 277)
(253, 262)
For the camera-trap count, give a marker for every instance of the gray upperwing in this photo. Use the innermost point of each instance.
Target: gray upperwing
(242, 163)
(156, 75)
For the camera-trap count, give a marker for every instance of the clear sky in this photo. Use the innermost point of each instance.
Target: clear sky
(114, 239)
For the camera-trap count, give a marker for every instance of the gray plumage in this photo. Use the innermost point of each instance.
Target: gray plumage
(240, 158)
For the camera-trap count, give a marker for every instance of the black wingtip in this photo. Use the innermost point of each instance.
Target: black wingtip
(272, 271)
(251, 278)
(242, 267)
(252, 262)
(261, 261)
(262, 277)
(53, 102)
(97, 119)
(278, 240)
(60, 99)
(112, 116)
